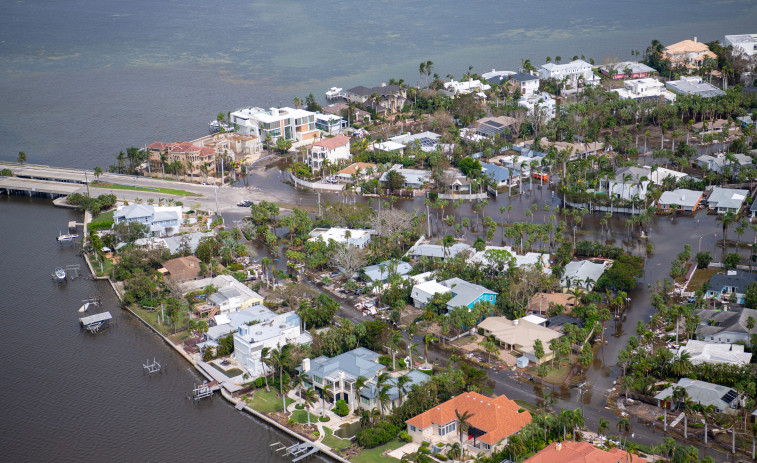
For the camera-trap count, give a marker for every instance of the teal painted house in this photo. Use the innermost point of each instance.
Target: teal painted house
(467, 294)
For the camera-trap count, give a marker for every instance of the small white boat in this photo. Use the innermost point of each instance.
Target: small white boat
(84, 307)
(59, 275)
(68, 237)
(334, 93)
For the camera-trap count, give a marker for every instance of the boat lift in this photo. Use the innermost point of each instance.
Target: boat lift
(203, 391)
(153, 367)
(297, 451)
(94, 323)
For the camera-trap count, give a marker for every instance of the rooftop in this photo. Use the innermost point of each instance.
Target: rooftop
(465, 293)
(703, 393)
(581, 452)
(681, 197)
(633, 67)
(711, 352)
(727, 197)
(183, 268)
(355, 363)
(331, 143)
(353, 168)
(521, 334)
(693, 86)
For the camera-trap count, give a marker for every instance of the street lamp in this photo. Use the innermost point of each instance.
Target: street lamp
(700, 244)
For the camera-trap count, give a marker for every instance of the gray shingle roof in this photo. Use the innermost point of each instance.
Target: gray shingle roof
(416, 378)
(134, 211)
(722, 397)
(464, 292)
(727, 197)
(355, 363)
(374, 272)
(717, 321)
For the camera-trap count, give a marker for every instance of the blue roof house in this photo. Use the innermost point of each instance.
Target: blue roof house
(503, 176)
(467, 294)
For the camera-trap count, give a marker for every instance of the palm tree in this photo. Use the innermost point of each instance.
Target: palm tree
(401, 388)
(264, 353)
(299, 381)
(358, 386)
(309, 398)
(728, 219)
(383, 398)
(98, 172)
(624, 427)
(325, 392)
(21, 157)
(604, 425)
(454, 451)
(280, 358)
(462, 423)
(426, 340)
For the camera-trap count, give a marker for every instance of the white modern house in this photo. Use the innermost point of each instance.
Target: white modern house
(723, 200)
(330, 123)
(712, 352)
(644, 89)
(292, 124)
(693, 85)
(331, 149)
(573, 71)
(231, 295)
(495, 255)
(541, 102)
(270, 330)
(528, 84)
(581, 274)
(162, 220)
(466, 87)
(745, 43)
(346, 236)
(414, 178)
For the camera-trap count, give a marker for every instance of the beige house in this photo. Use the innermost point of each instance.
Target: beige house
(688, 53)
(520, 336)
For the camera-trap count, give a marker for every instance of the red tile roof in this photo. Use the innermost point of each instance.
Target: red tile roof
(497, 417)
(581, 452)
(333, 142)
(182, 148)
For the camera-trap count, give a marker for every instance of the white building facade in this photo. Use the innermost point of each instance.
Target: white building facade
(333, 150)
(291, 124)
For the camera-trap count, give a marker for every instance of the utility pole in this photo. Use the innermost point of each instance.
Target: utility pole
(428, 222)
(86, 180)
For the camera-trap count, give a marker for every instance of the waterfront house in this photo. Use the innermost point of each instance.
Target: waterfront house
(575, 71)
(496, 77)
(331, 149)
(680, 199)
(425, 291)
(384, 99)
(582, 452)
(495, 126)
(187, 241)
(688, 53)
(629, 182)
(274, 123)
(382, 271)
(467, 87)
(231, 295)
(341, 373)
(465, 294)
(238, 145)
(627, 70)
(428, 142)
(342, 109)
(723, 200)
(742, 43)
(723, 398)
(520, 335)
(527, 84)
(347, 236)
(190, 156)
(330, 124)
(268, 330)
(645, 89)
(183, 268)
(726, 326)
(582, 274)
(491, 422)
(693, 86)
(356, 171)
(504, 256)
(712, 352)
(161, 220)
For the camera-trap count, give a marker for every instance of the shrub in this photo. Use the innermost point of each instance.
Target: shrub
(6, 173)
(703, 259)
(440, 457)
(299, 407)
(259, 382)
(341, 409)
(236, 267)
(324, 419)
(405, 436)
(385, 360)
(379, 434)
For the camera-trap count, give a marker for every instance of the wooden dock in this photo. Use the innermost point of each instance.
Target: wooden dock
(93, 323)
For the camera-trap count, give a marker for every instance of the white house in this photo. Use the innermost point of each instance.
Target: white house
(163, 220)
(629, 182)
(644, 89)
(693, 86)
(712, 352)
(495, 77)
(347, 236)
(424, 292)
(269, 330)
(330, 123)
(745, 43)
(573, 71)
(332, 149)
(231, 295)
(414, 178)
(292, 124)
(581, 274)
(468, 86)
(723, 200)
(542, 102)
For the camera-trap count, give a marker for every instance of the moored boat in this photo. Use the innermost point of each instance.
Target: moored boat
(59, 275)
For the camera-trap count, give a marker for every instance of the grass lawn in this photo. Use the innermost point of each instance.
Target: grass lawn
(230, 373)
(299, 416)
(556, 375)
(374, 455)
(700, 277)
(107, 265)
(267, 402)
(166, 328)
(527, 406)
(104, 217)
(336, 443)
(167, 191)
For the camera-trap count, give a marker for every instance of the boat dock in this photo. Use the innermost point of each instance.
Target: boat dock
(93, 323)
(204, 390)
(297, 451)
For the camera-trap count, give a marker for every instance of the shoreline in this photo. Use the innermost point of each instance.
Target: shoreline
(324, 449)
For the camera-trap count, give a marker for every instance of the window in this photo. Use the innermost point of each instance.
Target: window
(486, 446)
(412, 428)
(317, 379)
